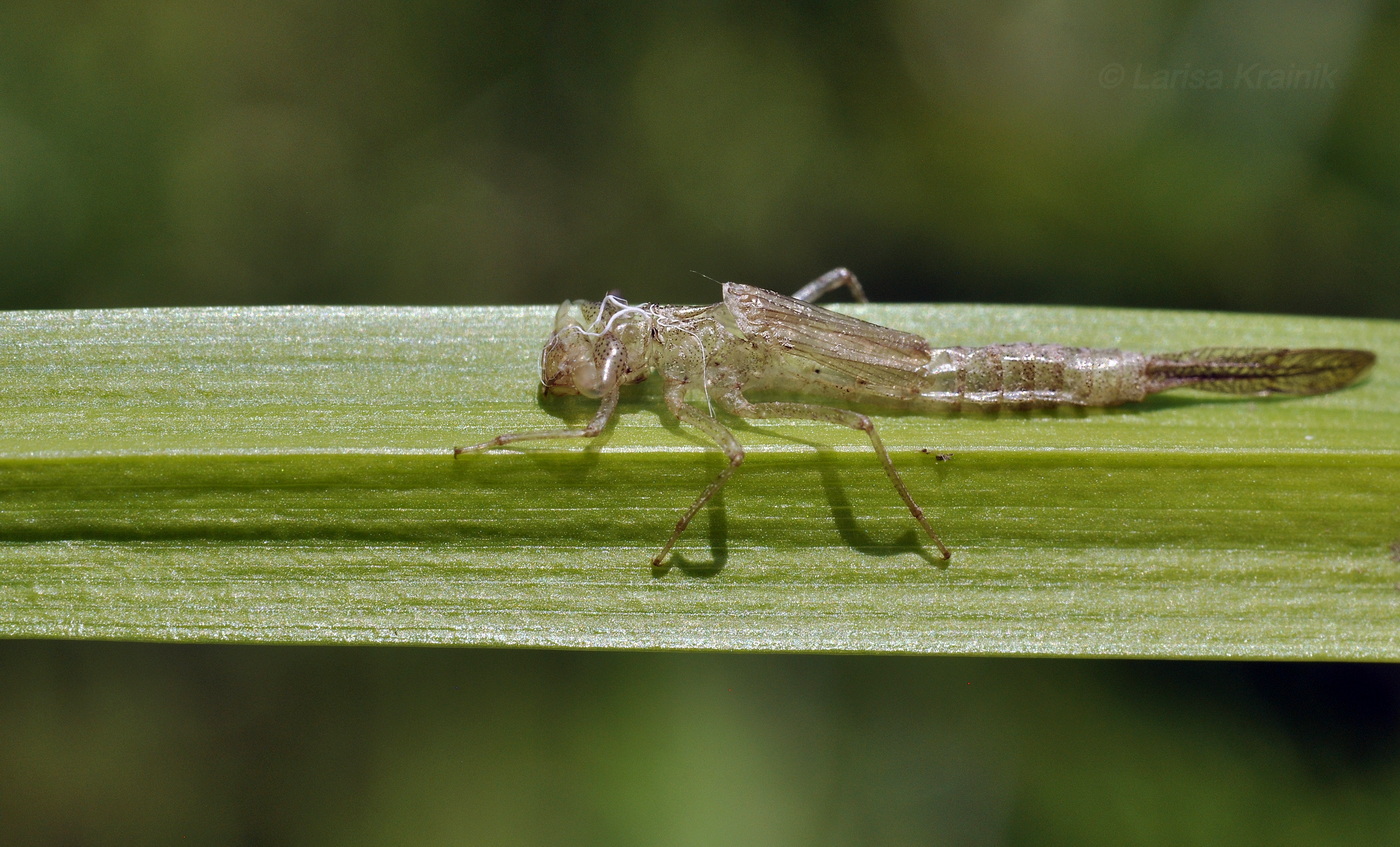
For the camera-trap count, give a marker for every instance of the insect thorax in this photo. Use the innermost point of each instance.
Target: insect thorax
(698, 344)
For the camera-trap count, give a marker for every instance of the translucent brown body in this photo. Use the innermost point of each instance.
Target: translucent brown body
(758, 344)
(1010, 376)
(866, 363)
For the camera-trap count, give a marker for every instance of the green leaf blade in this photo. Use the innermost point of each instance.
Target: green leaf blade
(285, 475)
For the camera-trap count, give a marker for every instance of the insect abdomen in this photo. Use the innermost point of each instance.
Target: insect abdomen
(1026, 376)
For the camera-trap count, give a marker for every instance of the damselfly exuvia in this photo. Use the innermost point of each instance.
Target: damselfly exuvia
(757, 342)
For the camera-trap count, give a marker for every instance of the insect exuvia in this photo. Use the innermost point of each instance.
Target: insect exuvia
(761, 343)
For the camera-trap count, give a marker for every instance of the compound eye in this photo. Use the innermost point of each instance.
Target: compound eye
(566, 365)
(568, 315)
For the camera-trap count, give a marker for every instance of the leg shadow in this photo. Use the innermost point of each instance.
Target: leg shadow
(848, 526)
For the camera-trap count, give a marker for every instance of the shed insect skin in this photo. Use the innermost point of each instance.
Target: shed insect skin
(762, 342)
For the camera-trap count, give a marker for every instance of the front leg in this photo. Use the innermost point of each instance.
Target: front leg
(609, 389)
(736, 403)
(606, 408)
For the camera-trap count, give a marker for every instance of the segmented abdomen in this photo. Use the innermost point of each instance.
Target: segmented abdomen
(1024, 376)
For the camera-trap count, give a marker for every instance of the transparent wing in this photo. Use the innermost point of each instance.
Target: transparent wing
(866, 349)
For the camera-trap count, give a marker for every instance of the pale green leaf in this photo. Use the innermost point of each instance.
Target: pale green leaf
(286, 475)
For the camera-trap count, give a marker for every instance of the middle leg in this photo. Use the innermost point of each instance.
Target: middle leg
(686, 413)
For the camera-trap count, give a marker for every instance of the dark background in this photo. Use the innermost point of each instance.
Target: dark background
(1203, 155)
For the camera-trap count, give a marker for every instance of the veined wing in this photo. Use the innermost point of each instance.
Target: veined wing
(867, 350)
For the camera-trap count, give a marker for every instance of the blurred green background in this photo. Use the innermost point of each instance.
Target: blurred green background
(1217, 155)
(170, 153)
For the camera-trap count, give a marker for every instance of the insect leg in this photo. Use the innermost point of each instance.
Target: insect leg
(607, 407)
(735, 403)
(828, 282)
(605, 412)
(686, 413)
